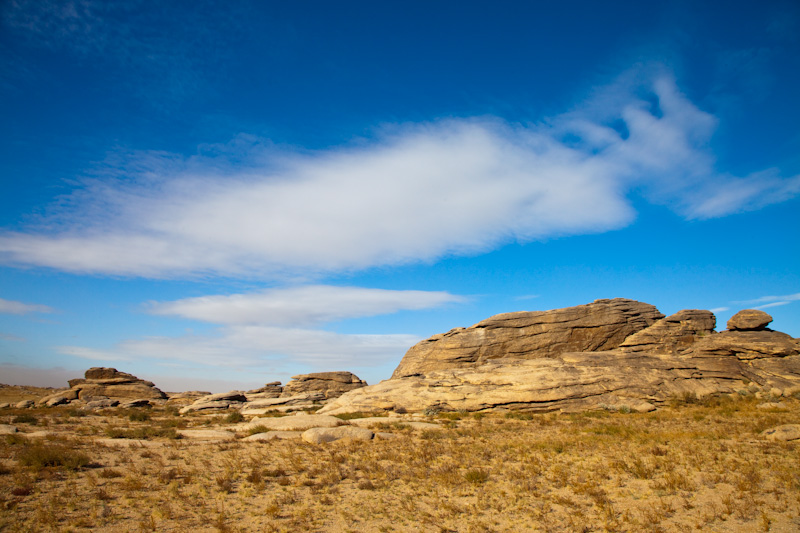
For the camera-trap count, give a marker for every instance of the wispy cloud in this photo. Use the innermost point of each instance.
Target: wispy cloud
(301, 306)
(417, 192)
(719, 309)
(772, 301)
(20, 308)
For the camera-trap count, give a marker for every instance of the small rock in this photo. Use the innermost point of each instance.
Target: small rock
(320, 435)
(783, 433)
(102, 403)
(273, 435)
(6, 429)
(422, 425)
(644, 407)
(141, 402)
(206, 434)
(24, 404)
(5, 405)
(749, 320)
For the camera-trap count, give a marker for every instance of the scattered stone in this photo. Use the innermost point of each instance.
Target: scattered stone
(329, 384)
(644, 407)
(749, 320)
(329, 434)
(273, 435)
(783, 433)
(5, 405)
(24, 404)
(206, 434)
(7, 429)
(293, 423)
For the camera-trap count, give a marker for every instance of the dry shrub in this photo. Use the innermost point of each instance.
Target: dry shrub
(42, 455)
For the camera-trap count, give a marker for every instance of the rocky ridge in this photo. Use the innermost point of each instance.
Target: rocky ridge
(609, 354)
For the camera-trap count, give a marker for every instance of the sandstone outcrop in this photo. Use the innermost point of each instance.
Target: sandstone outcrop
(501, 363)
(329, 384)
(601, 325)
(101, 382)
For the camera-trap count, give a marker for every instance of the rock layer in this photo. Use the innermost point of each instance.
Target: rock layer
(601, 325)
(100, 383)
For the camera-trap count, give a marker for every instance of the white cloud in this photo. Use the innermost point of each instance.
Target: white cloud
(301, 306)
(773, 304)
(767, 299)
(19, 308)
(416, 193)
(719, 309)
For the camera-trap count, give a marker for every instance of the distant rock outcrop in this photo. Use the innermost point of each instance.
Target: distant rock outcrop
(100, 384)
(586, 357)
(329, 384)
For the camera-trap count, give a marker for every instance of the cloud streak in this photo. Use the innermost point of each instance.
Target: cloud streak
(773, 301)
(20, 308)
(301, 306)
(417, 192)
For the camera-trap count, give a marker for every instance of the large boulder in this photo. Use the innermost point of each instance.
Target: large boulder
(749, 320)
(601, 325)
(329, 384)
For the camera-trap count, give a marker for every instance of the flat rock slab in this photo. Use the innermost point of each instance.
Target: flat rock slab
(273, 435)
(6, 429)
(293, 423)
(128, 443)
(206, 434)
(783, 433)
(321, 435)
(373, 421)
(422, 425)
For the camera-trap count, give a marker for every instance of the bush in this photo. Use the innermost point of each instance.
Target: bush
(25, 419)
(39, 456)
(476, 476)
(139, 416)
(234, 417)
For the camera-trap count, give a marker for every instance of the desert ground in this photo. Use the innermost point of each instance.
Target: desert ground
(688, 466)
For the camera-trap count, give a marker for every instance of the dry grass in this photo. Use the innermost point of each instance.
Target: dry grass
(688, 467)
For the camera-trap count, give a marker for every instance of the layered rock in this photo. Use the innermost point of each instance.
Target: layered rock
(328, 384)
(673, 356)
(101, 383)
(601, 325)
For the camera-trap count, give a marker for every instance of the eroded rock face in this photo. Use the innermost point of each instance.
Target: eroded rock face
(329, 384)
(673, 356)
(601, 325)
(673, 334)
(749, 320)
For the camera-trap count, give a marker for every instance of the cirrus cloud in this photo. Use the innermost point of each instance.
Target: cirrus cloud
(417, 192)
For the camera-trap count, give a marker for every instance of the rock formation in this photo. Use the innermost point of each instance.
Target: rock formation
(611, 353)
(329, 384)
(100, 383)
(601, 325)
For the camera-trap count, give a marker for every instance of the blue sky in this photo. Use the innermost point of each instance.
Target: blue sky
(216, 195)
